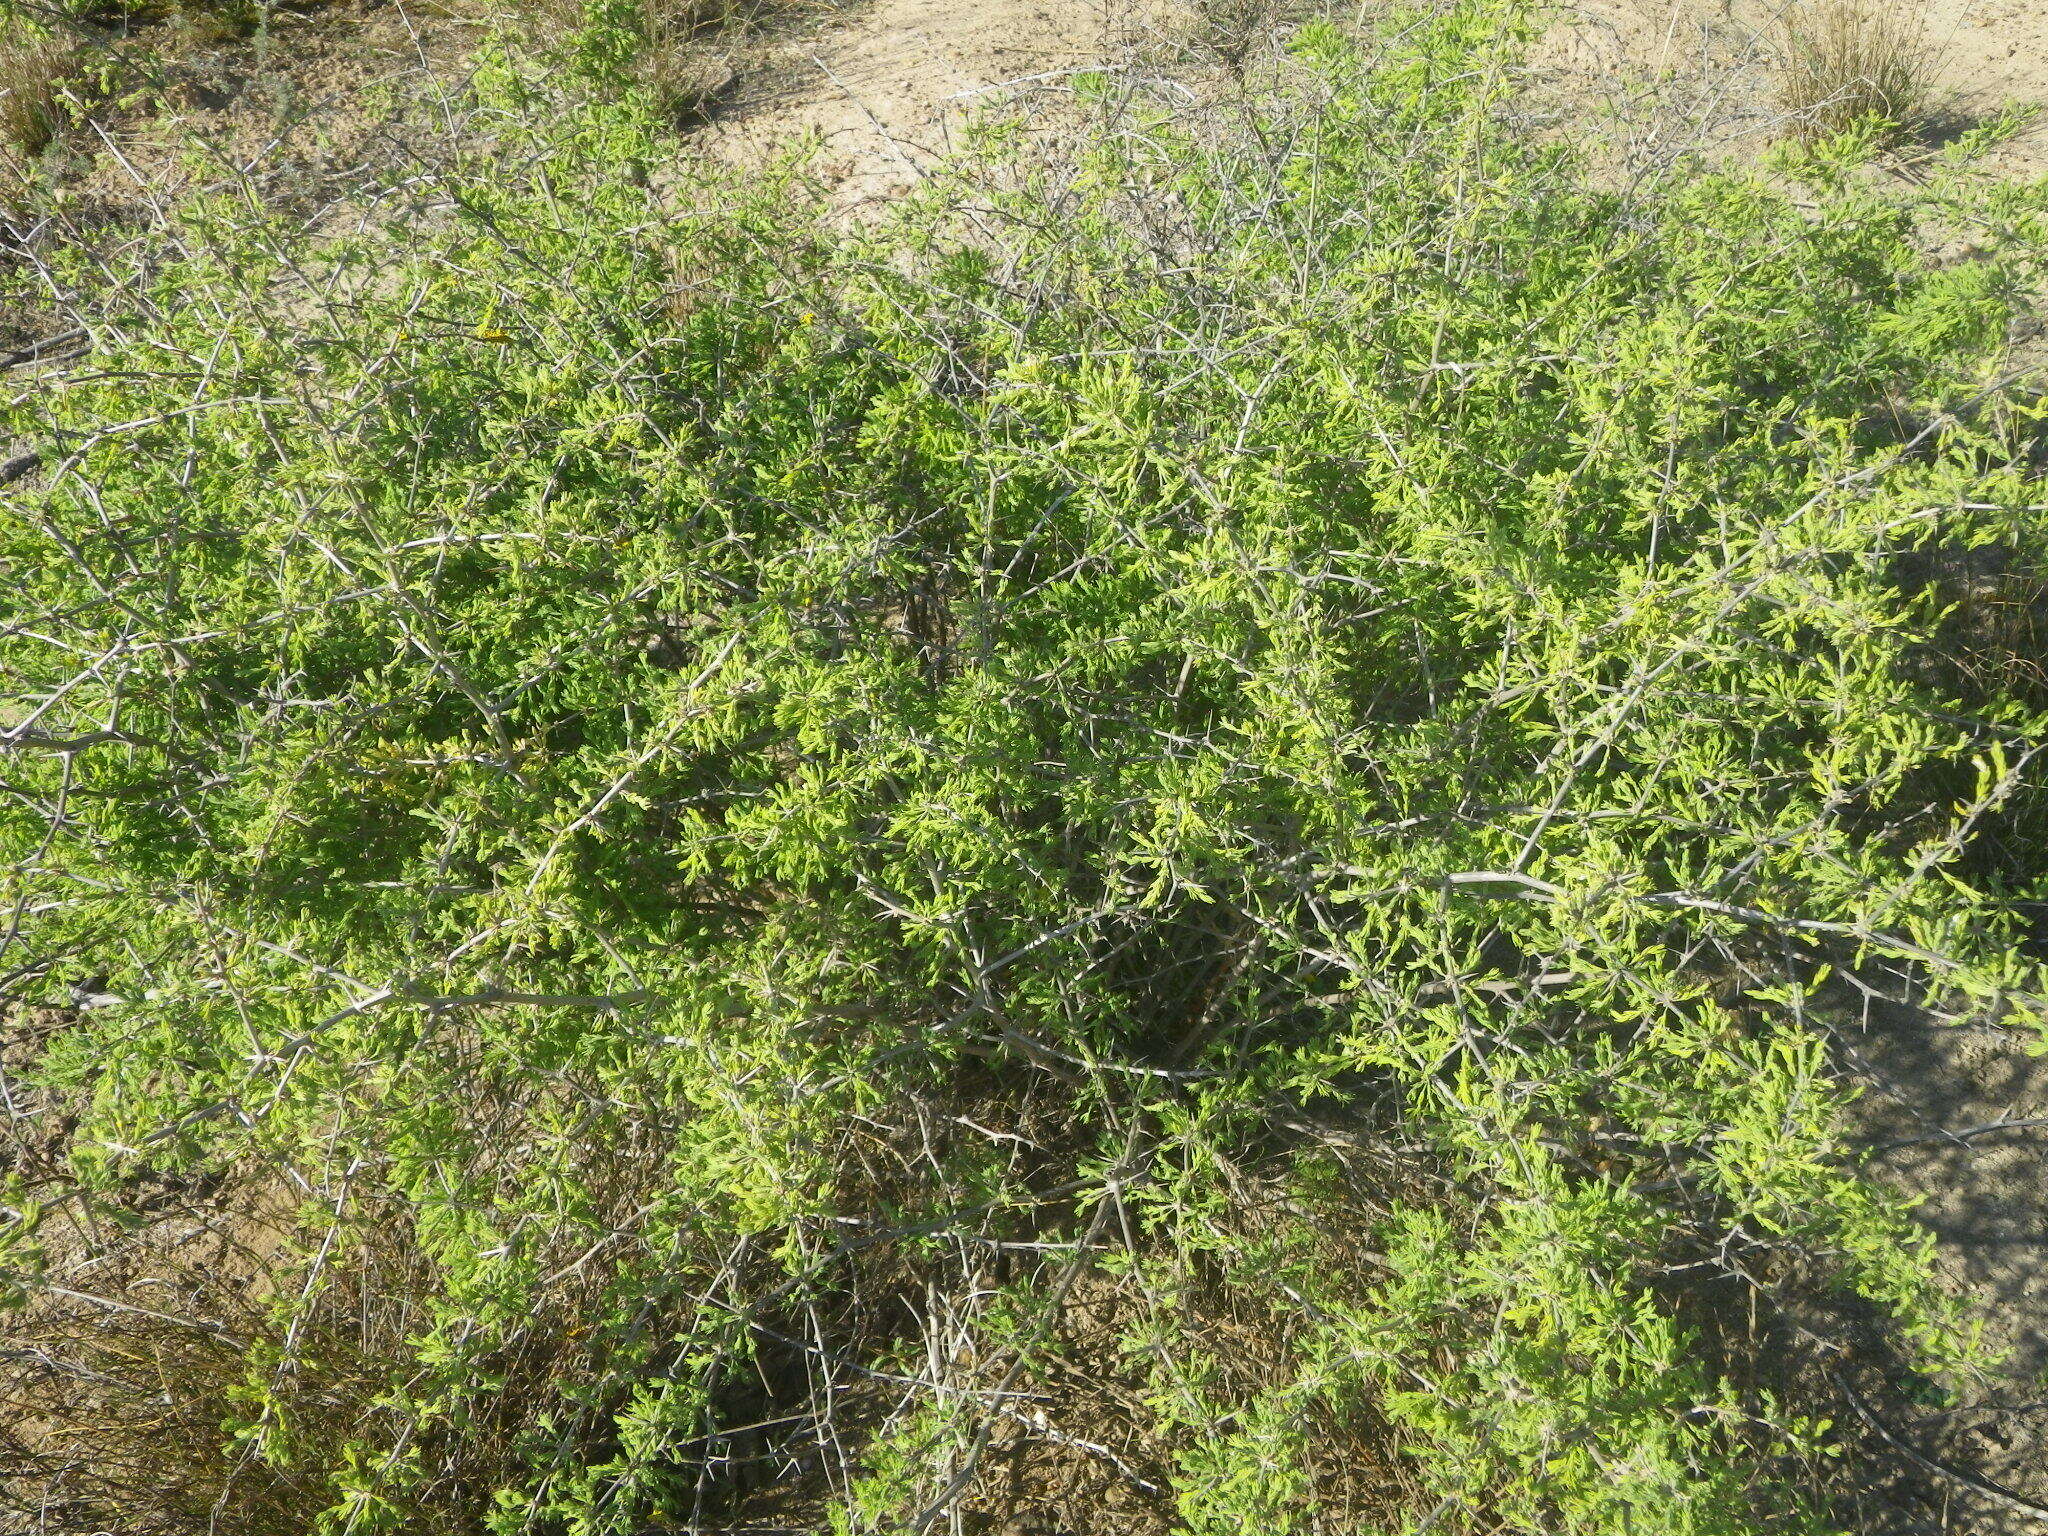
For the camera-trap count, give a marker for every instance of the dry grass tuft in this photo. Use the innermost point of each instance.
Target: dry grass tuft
(1850, 61)
(32, 74)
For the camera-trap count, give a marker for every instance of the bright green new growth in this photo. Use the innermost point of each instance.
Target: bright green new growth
(568, 725)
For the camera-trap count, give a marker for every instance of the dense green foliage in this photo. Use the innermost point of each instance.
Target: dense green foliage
(576, 724)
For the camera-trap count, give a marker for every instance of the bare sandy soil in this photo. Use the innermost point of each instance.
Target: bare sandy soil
(1993, 52)
(1713, 64)
(880, 86)
(878, 95)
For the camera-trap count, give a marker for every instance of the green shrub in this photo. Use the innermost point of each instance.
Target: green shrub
(673, 777)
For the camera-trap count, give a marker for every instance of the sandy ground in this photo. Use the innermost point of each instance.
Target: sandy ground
(877, 88)
(1994, 51)
(1711, 63)
(880, 93)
